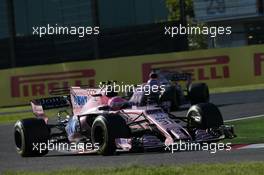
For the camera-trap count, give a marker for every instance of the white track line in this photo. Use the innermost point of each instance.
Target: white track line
(253, 146)
(244, 118)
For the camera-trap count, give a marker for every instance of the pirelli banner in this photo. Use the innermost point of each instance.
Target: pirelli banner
(217, 67)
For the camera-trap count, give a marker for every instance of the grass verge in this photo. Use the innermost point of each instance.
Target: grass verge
(12, 118)
(253, 168)
(237, 88)
(248, 131)
(12, 114)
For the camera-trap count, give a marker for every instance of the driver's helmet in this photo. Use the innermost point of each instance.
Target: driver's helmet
(153, 75)
(116, 103)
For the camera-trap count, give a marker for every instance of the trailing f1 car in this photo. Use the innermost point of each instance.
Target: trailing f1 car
(112, 123)
(178, 89)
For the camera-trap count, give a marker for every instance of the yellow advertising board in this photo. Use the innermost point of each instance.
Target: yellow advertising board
(216, 67)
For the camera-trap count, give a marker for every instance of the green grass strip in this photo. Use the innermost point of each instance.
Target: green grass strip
(253, 168)
(248, 131)
(237, 88)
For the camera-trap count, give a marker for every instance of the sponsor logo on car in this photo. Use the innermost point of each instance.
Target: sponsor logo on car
(80, 100)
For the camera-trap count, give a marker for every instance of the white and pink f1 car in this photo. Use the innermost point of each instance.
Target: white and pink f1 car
(113, 123)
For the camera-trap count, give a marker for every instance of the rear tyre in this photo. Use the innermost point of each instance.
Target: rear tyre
(105, 129)
(30, 132)
(204, 116)
(198, 93)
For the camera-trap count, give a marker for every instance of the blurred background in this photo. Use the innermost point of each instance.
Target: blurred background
(128, 27)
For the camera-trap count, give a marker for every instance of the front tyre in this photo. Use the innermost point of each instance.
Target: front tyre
(105, 129)
(204, 116)
(29, 134)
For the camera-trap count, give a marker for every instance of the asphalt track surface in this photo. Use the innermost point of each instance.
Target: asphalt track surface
(232, 105)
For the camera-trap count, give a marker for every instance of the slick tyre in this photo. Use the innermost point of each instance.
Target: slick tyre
(204, 116)
(30, 132)
(198, 93)
(105, 129)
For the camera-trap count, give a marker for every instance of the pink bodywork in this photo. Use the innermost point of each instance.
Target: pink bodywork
(87, 101)
(154, 115)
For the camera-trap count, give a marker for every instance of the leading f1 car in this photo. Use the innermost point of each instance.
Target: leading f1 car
(113, 123)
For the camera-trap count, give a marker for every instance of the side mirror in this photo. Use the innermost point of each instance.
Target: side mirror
(97, 95)
(104, 108)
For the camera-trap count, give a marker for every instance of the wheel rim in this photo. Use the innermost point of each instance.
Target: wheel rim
(193, 117)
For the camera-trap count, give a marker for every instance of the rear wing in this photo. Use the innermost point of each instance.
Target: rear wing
(52, 102)
(174, 75)
(180, 76)
(40, 105)
(76, 97)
